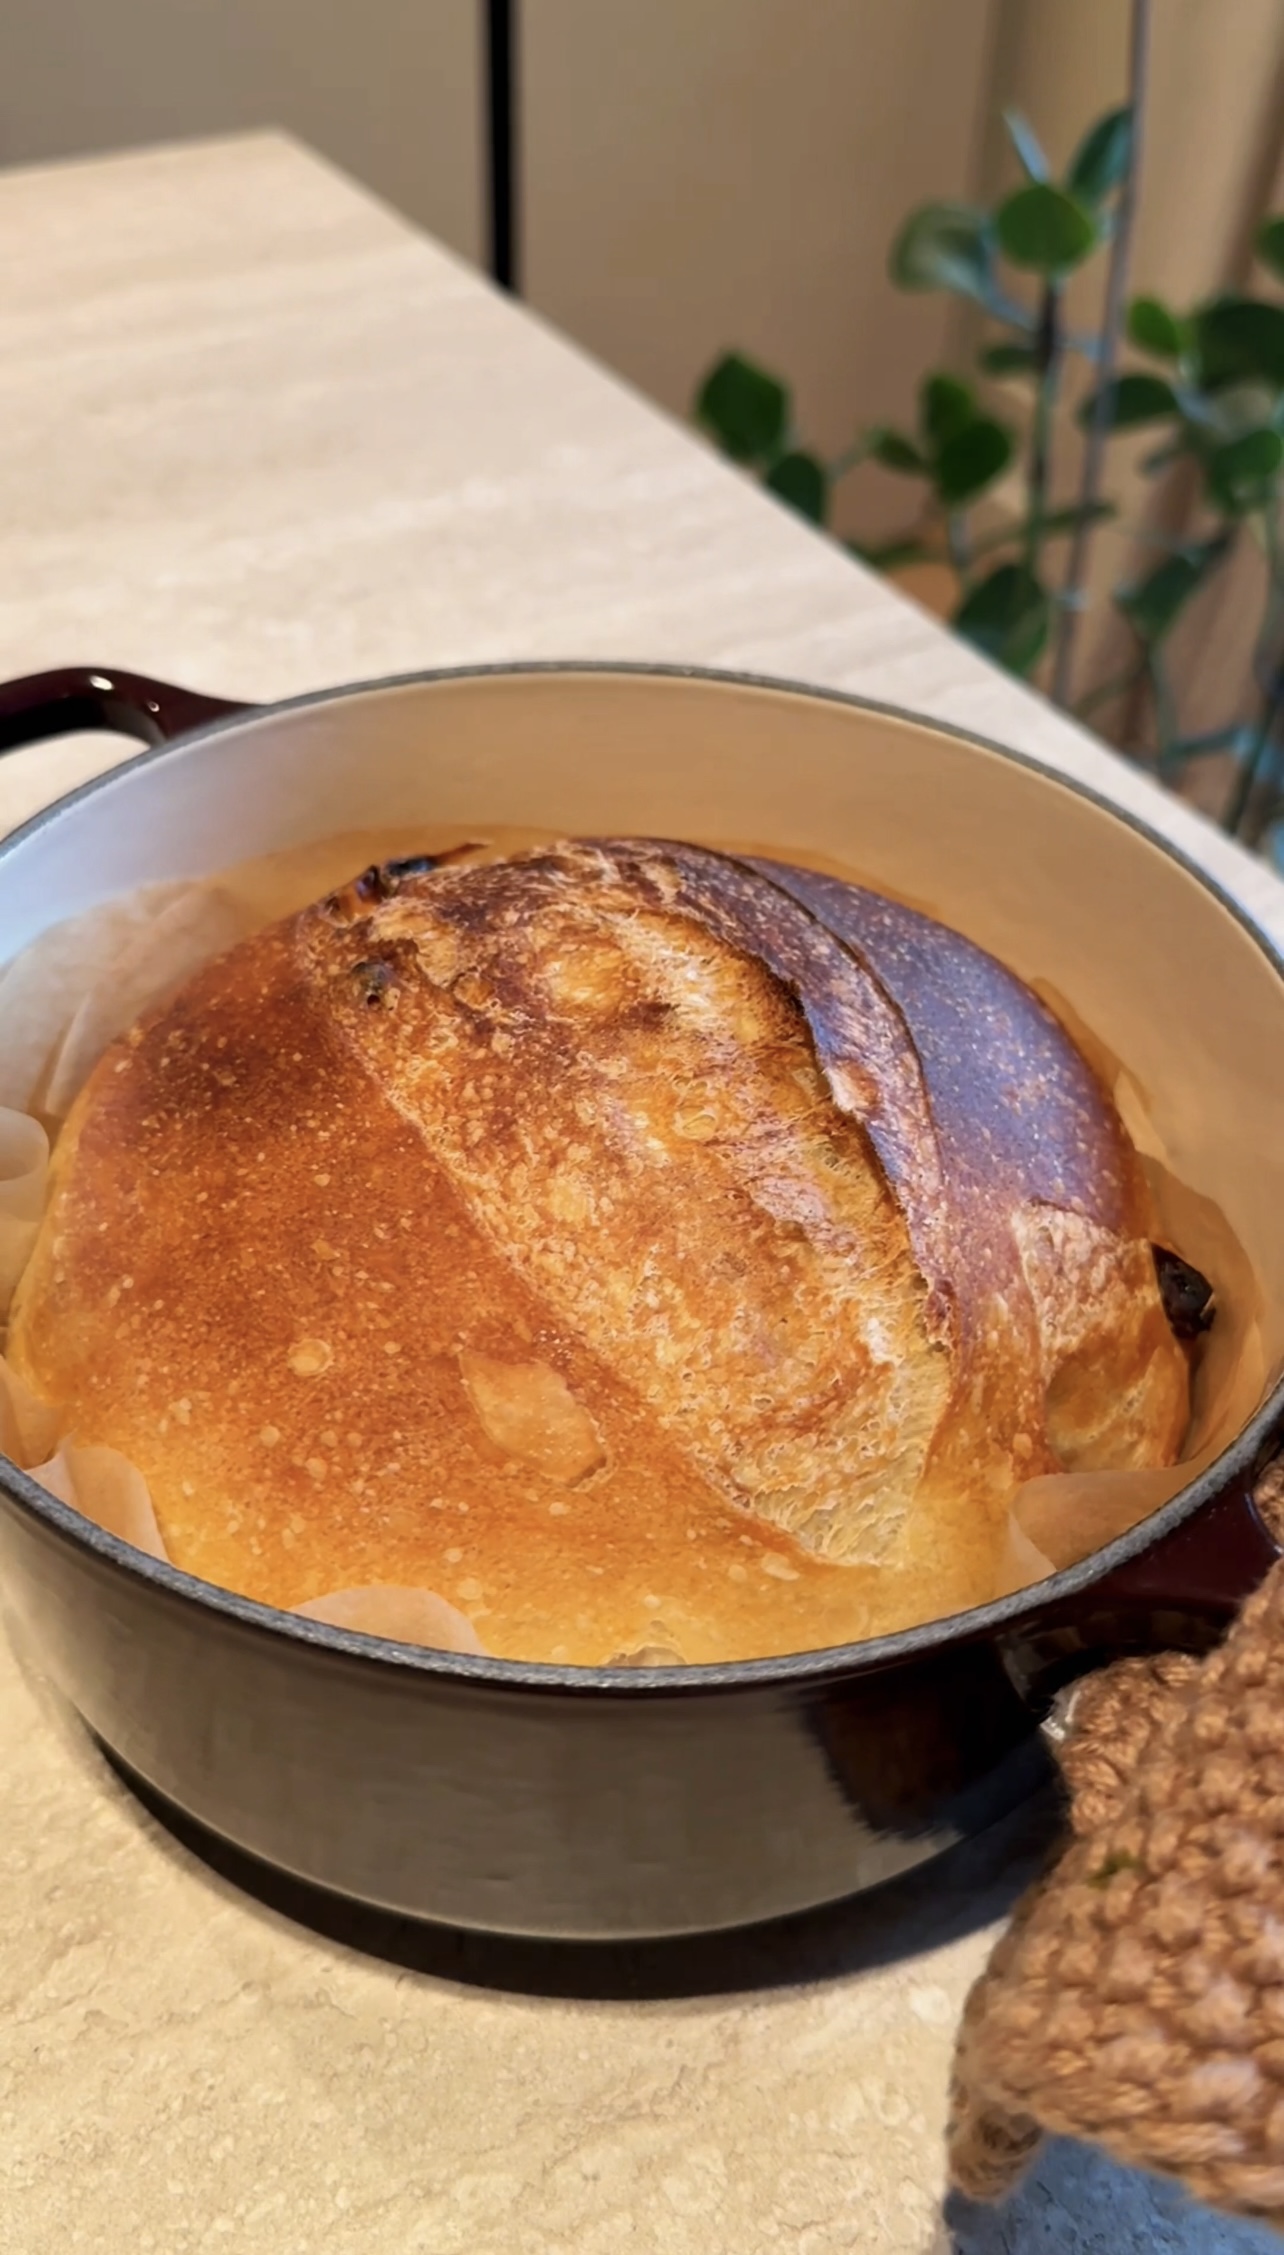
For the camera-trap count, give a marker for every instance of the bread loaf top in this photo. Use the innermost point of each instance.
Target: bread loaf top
(645, 1249)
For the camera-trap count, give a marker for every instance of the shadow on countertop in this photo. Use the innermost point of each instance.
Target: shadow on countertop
(971, 1886)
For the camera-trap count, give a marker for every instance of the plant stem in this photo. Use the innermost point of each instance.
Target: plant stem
(1055, 523)
(1114, 687)
(1166, 726)
(1266, 660)
(852, 456)
(1241, 797)
(959, 549)
(1048, 352)
(1111, 329)
(849, 458)
(1216, 740)
(1266, 651)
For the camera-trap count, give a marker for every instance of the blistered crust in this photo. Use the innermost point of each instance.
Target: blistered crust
(630, 1246)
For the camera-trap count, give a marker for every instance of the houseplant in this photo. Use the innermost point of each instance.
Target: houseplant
(1208, 382)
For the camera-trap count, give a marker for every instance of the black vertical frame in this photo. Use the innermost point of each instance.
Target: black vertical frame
(502, 142)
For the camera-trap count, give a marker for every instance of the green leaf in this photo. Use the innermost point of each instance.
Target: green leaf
(1102, 158)
(945, 405)
(1270, 245)
(1238, 471)
(1238, 337)
(803, 482)
(1008, 615)
(1154, 328)
(1255, 455)
(896, 452)
(944, 247)
(1130, 400)
(744, 408)
(1044, 229)
(1025, 141)
(970, 460)
(1009, 360)
(1154, 604)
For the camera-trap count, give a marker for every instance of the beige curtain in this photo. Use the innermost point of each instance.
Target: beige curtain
(700, 174)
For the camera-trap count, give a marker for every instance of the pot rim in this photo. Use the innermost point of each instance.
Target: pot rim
(829, 1662)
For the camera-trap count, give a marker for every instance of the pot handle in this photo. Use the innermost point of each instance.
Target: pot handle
(1178, 1595)
(76, 697)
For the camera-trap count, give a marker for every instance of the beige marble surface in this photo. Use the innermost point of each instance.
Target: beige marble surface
(256, 435)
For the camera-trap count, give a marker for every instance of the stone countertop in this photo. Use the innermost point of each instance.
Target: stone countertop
(261, 436)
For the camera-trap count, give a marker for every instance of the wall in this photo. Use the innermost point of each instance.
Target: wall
(386, 88)
(733, 173)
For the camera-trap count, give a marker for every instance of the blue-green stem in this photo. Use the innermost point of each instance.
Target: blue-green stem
(1253, 762)
(852, 456)
(1167, 727)
(956, 540)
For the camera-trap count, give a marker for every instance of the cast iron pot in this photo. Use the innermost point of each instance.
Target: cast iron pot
(596, 1803)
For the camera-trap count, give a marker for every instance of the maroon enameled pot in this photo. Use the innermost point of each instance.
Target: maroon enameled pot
(566, 1802)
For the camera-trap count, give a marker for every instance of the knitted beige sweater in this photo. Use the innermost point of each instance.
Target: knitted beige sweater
(1138, 1996)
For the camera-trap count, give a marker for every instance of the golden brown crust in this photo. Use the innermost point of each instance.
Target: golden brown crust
(611, 1240)
(1030, 1147)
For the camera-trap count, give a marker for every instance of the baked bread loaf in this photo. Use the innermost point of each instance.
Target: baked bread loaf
(646, 1252)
